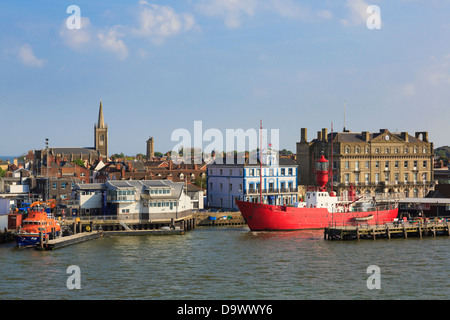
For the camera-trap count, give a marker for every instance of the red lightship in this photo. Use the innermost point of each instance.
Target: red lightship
(319, 210)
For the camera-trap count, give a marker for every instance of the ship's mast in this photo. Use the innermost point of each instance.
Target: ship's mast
(332, 163)
(260, 161)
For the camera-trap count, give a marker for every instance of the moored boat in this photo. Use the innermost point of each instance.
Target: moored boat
(38, 220)
(319, 210)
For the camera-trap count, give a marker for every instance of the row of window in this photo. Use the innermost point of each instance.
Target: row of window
(63, 185)
(252, 186)
(255, 172)
(159, 191)
(387, 150)
(387, 164)
(162, 204)
(387, 177)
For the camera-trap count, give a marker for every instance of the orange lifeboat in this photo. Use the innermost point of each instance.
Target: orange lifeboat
(37, 221)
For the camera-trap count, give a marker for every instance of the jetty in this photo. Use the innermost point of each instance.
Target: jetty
(389, 230)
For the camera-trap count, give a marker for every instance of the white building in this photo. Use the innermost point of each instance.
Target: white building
(130, 199)
(228, 182)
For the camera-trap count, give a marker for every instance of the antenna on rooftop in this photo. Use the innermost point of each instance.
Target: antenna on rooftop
(345, 104)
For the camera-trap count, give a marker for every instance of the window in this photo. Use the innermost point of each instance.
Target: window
(290, 171)
(347, 150)
(282, 172)
(396, 164)
(424, 164)
(405, 164)
(54, 185)
(415, 164)
(386, 165)
(367, 165)
(63, 185)
(346, 178)
(357, 150)
(386, 150)
(347, 164)
(406, 177)
(396, 150)
(377, 178)
(356, 178)
(366, 178)
(377, 150)
(377, 164)
(356, 165)
(405, 150)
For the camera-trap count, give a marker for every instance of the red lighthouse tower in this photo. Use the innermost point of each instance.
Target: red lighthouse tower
(322, 172)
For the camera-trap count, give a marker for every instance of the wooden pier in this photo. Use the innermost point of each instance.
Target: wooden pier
(388, 231)
(219, 219)
(67, 241)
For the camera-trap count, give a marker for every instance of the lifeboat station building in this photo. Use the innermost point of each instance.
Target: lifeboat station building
(241, 180)
(380, 163)
(145, 200)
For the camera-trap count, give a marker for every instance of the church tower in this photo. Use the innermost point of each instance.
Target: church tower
(101, 134)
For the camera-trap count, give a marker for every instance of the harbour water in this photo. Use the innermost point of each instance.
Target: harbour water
(230, 263)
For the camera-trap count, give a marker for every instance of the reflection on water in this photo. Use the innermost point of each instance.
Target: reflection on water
(230, 263)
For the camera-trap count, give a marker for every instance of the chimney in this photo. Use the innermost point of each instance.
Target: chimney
(319, 135)
(325, 134)
(303, 134)
(365, 136)
(405, 136)
(424, 136)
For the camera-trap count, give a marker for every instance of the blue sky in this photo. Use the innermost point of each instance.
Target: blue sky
(161, 65)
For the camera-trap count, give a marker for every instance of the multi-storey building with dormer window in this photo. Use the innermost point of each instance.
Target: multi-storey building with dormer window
(372, 163)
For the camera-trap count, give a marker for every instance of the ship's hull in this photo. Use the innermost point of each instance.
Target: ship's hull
(27, 240)
(263, 217)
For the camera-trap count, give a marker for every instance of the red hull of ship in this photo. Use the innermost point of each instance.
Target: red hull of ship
(263, 217)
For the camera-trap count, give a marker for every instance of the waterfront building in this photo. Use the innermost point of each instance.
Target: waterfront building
(147, 200)
(228, 182)
(372, 163)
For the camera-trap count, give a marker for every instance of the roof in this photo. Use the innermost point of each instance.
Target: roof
(241, 161)
(437, 201)
(358, 136)
(61, 151)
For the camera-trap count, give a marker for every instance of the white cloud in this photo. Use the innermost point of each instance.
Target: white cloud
(77, 38)
(358, 13)
(89, 37)
(109, 41)
(235, 12)
(27, 57)
(231, 11)
(159, 22)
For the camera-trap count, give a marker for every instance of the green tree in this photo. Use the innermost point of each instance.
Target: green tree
(79, 162)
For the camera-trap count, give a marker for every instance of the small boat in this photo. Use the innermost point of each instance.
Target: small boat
(367, 218)
(38, 220)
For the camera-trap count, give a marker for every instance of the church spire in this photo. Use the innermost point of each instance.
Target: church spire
(101, 121)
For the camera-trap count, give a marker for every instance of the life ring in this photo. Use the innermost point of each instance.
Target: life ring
(88, 228)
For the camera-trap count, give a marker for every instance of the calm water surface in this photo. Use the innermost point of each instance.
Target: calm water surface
(230, 263)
